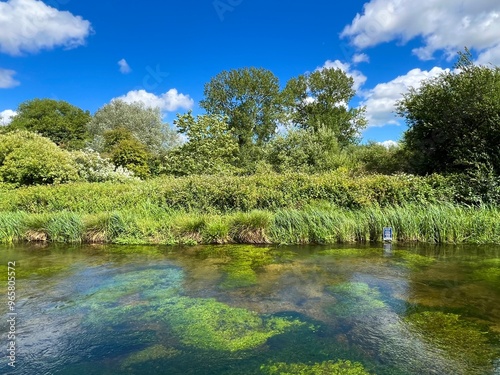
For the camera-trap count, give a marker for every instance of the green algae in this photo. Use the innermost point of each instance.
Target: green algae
(152, 353)
(241, 264)
(462, 341)
(355, 299)
(411, 260)
(323, 368)
(211, 325)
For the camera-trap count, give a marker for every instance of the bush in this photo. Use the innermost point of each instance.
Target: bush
(30, 159)
(92, 167)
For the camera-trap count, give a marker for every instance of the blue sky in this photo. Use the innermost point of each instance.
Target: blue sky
(162, 53)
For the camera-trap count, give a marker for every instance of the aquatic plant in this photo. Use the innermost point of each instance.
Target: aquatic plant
(411, 260)
(463, 341)
(211, 325)
(152, 353)
(324, 368)
(355, 299)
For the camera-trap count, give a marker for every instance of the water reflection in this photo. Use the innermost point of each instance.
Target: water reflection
(248, 310)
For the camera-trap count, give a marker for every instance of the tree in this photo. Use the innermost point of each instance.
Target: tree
(27, 158)
(250, 99)
(144, 123)
(305, 150)
(210, 149)
(321, 99)
(59, 121)
(454, 120)
(126, 151)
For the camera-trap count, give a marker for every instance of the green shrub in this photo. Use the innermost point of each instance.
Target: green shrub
(30, 159)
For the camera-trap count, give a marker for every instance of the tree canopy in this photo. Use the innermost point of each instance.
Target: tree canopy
(211, 147)
(144, 123)
(61, 122)
(454, 120)
(321, 99)
(250, 99)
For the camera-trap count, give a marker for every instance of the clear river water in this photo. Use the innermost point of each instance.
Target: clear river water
(250, 310)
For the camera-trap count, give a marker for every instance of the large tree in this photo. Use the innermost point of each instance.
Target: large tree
(454, 120)
(211, 147)
(321, 100)
(59, 121)
(250, 99)
(144, 123)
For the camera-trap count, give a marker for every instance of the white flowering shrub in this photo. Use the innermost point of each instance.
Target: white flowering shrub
(92, 167)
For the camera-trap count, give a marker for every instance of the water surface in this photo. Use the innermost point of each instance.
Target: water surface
(250, 310)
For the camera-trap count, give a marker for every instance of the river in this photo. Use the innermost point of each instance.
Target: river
(250, 310)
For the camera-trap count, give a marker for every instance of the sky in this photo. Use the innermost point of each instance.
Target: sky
(163, 52)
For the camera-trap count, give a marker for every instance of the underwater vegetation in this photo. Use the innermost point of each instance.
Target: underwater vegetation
(355, 299)
(411, 260)
(212, 325)
(153, 295)
(323, 368)
(462, 341)
(241, 263)
(152, 353)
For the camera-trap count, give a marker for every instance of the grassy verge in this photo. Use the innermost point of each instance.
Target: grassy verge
(319, 223)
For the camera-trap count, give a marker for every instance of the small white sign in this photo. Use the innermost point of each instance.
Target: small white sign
(387, 234)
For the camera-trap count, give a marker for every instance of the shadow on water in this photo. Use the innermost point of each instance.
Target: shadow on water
(255, 310)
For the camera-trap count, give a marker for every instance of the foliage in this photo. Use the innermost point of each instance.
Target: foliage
(211, 325)
(30, 159)
(320, 99)
(376, 158)
(131, 155)
(324, 368)
(144, 123)
(250, 99)
(61, 122)
(454, 120)
(306, 150)
(92, 167)
(211, 147)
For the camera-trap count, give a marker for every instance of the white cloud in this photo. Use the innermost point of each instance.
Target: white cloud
(6, 116)
(380, 101)
(31, 25)
(446, 25)
(7, 79)
(358, 77)
(389, 144)
(124, 66)
(170, 101)
(490, 56)
(360, 57)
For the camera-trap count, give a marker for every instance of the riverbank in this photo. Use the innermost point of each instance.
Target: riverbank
(315, 224)
(290, 208)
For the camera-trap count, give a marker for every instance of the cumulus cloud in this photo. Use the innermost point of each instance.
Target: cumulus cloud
(358, 77)
(170, 101)
(446, 25)
(360, 57)
(381, 100)
(7, 79)
(6, 116)
(389, 144)
(124, 67)
(490, 56)
(31, 25)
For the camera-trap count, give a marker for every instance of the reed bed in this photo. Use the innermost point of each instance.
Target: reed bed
(320, 223)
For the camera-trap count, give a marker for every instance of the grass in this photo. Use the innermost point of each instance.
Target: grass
(321, 223)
